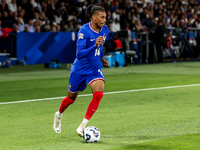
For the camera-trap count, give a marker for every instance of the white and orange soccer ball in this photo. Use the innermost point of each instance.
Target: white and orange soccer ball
(91, 134)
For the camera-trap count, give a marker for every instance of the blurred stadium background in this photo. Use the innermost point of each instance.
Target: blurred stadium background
(151, 101)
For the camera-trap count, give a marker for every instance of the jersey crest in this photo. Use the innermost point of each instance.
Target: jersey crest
(104, 37)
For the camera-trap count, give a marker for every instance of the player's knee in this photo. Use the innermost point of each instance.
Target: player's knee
(72, 96)
(98, 95)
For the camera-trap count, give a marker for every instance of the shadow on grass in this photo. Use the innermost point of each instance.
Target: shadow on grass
(136, 145)
(140, 147)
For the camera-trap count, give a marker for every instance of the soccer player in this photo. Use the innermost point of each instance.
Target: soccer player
(86, 68)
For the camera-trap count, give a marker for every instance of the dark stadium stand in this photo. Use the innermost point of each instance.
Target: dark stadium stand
(137, 16)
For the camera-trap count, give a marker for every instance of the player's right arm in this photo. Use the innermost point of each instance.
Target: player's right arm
(82, 51)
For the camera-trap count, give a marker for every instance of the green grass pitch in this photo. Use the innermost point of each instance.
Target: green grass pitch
(157, 119)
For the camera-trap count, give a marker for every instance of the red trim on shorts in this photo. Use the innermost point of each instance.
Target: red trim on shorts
(73, 92)
(96, 80)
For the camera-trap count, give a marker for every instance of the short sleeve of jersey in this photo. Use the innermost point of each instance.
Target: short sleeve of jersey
(82, 37)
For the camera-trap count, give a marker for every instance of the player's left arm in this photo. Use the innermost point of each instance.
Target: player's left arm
(104, 61)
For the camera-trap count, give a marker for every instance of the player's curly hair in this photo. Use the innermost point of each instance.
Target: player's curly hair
(92, 9)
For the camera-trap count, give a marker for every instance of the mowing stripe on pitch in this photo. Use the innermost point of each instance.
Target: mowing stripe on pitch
(116, 92)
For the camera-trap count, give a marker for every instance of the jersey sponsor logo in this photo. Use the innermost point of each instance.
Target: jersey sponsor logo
(80, 36)
(92, 39)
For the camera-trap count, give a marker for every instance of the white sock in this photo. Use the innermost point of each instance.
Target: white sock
(84, 122)
(59, 114)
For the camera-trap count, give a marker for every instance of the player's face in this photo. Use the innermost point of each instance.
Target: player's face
(100, 19)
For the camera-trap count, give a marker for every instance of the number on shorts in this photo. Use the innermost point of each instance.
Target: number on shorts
(100, 72)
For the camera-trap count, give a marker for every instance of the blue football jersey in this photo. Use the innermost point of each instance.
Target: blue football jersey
(86, 38)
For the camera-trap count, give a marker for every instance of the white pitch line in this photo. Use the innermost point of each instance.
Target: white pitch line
(116, 92)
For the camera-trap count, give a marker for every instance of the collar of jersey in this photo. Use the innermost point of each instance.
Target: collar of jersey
(93, 29)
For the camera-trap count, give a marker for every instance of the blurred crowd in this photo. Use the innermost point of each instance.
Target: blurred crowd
(69, 15)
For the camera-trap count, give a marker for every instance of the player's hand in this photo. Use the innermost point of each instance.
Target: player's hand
(105, 62)
(99, 41)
